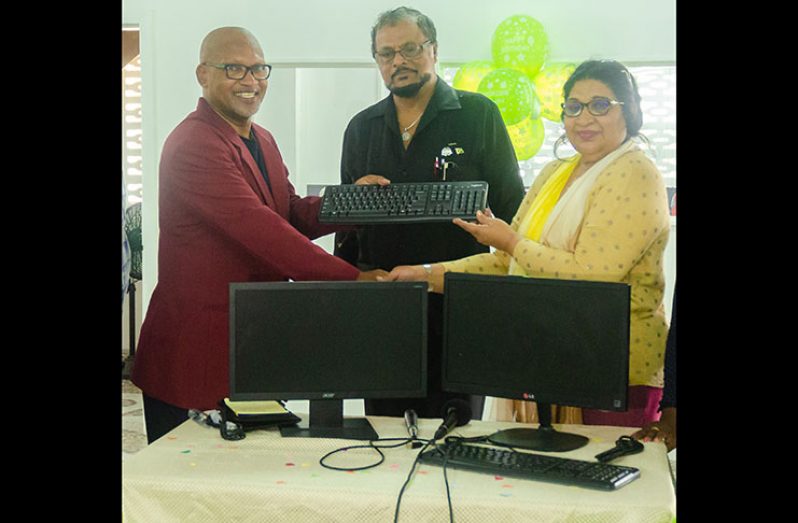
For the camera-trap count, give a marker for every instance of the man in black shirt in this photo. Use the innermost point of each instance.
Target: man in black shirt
(407, 137)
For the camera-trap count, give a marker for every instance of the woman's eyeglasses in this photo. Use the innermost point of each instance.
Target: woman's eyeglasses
(597, 106)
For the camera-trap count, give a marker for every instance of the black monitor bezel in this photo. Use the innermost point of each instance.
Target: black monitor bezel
(419, 391)
(620, 401)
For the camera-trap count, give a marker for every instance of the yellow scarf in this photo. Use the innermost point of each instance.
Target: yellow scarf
(547, 198)
(534, 220)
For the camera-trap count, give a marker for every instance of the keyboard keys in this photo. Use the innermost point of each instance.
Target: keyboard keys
(403, 202)
(526, 465)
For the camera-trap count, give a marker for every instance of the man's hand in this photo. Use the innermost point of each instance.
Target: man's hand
(372, 179)
(407, 273)
(491, 231)
(663, 430)
(374, 275)
(434, 278)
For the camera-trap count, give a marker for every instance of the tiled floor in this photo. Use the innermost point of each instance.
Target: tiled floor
(133, 431)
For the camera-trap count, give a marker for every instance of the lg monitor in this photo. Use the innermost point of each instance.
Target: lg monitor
(563, 342)
(326, 342)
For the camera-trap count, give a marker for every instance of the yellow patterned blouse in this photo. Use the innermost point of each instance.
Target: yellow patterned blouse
(622, 239)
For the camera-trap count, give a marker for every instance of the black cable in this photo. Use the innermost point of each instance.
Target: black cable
(370, 445)
(450, 442)
(446, 482)
(409, 476)
(460, 439)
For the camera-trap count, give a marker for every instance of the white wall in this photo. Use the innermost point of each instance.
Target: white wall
(307, 110)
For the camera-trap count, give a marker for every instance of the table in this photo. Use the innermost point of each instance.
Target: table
(192, 474)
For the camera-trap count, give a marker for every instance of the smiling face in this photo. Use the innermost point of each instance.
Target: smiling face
(236, 101)
(403, 76)
(594, 137)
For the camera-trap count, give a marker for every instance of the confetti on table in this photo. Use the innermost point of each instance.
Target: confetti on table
(280, 482)
(498, 478)
(305, 465)
(507, 485)
(425, 472)
(185, 451)
(171, 437)
(505, 494)
(289, 464)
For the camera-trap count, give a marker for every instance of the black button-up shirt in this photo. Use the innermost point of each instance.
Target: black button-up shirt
(471, 126)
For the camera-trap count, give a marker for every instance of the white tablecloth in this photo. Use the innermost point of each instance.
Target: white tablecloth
(192, 474)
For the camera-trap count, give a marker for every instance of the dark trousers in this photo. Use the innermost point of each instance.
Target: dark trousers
(161, 417)
(430, 406)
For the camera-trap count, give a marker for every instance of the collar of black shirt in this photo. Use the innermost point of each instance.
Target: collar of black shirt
(444, 98)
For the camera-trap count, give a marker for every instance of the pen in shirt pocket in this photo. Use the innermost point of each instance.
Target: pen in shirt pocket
(440, 167)
(442, 163)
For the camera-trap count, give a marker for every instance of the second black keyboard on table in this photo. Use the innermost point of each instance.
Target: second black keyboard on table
(403, 202)
(526, 465)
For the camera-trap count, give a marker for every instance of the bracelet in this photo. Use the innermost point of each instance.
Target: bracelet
(428, 268)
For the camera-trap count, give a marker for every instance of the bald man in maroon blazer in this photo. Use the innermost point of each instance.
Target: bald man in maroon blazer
(227, 213)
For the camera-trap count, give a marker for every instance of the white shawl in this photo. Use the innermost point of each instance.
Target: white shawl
(565, 221)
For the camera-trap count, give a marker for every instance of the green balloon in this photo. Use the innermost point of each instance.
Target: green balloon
(519, 42)
(470, 74)
(527, 137)
(513, 92)
(548, 86)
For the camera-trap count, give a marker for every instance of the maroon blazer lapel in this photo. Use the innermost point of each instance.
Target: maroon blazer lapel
(251, 171)
(253, 175)
(277, 176)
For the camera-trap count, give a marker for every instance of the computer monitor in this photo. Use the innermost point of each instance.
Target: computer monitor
(563, 342)
(326, 342)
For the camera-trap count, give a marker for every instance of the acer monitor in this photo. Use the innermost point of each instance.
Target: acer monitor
(326, 342)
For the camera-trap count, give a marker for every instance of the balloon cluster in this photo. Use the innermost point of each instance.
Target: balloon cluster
(520, 81)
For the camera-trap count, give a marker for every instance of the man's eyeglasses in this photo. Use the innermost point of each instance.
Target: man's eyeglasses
(597, 106)
(409, 51)
(238, 71)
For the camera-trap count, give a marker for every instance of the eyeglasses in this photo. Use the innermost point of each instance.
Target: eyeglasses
(409, 51)
(597, 106)
(238, 71)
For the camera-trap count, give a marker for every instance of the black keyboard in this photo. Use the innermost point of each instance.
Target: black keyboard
(538, 467)
(403, 202)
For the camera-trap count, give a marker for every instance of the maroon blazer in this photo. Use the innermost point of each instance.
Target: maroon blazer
(219, 223)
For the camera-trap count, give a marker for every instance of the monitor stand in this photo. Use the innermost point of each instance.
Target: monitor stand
(543, 438)
(326, 420)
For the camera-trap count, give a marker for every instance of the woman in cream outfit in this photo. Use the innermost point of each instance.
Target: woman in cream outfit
(599, 215)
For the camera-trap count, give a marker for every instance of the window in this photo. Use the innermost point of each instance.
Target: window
(131, 127)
